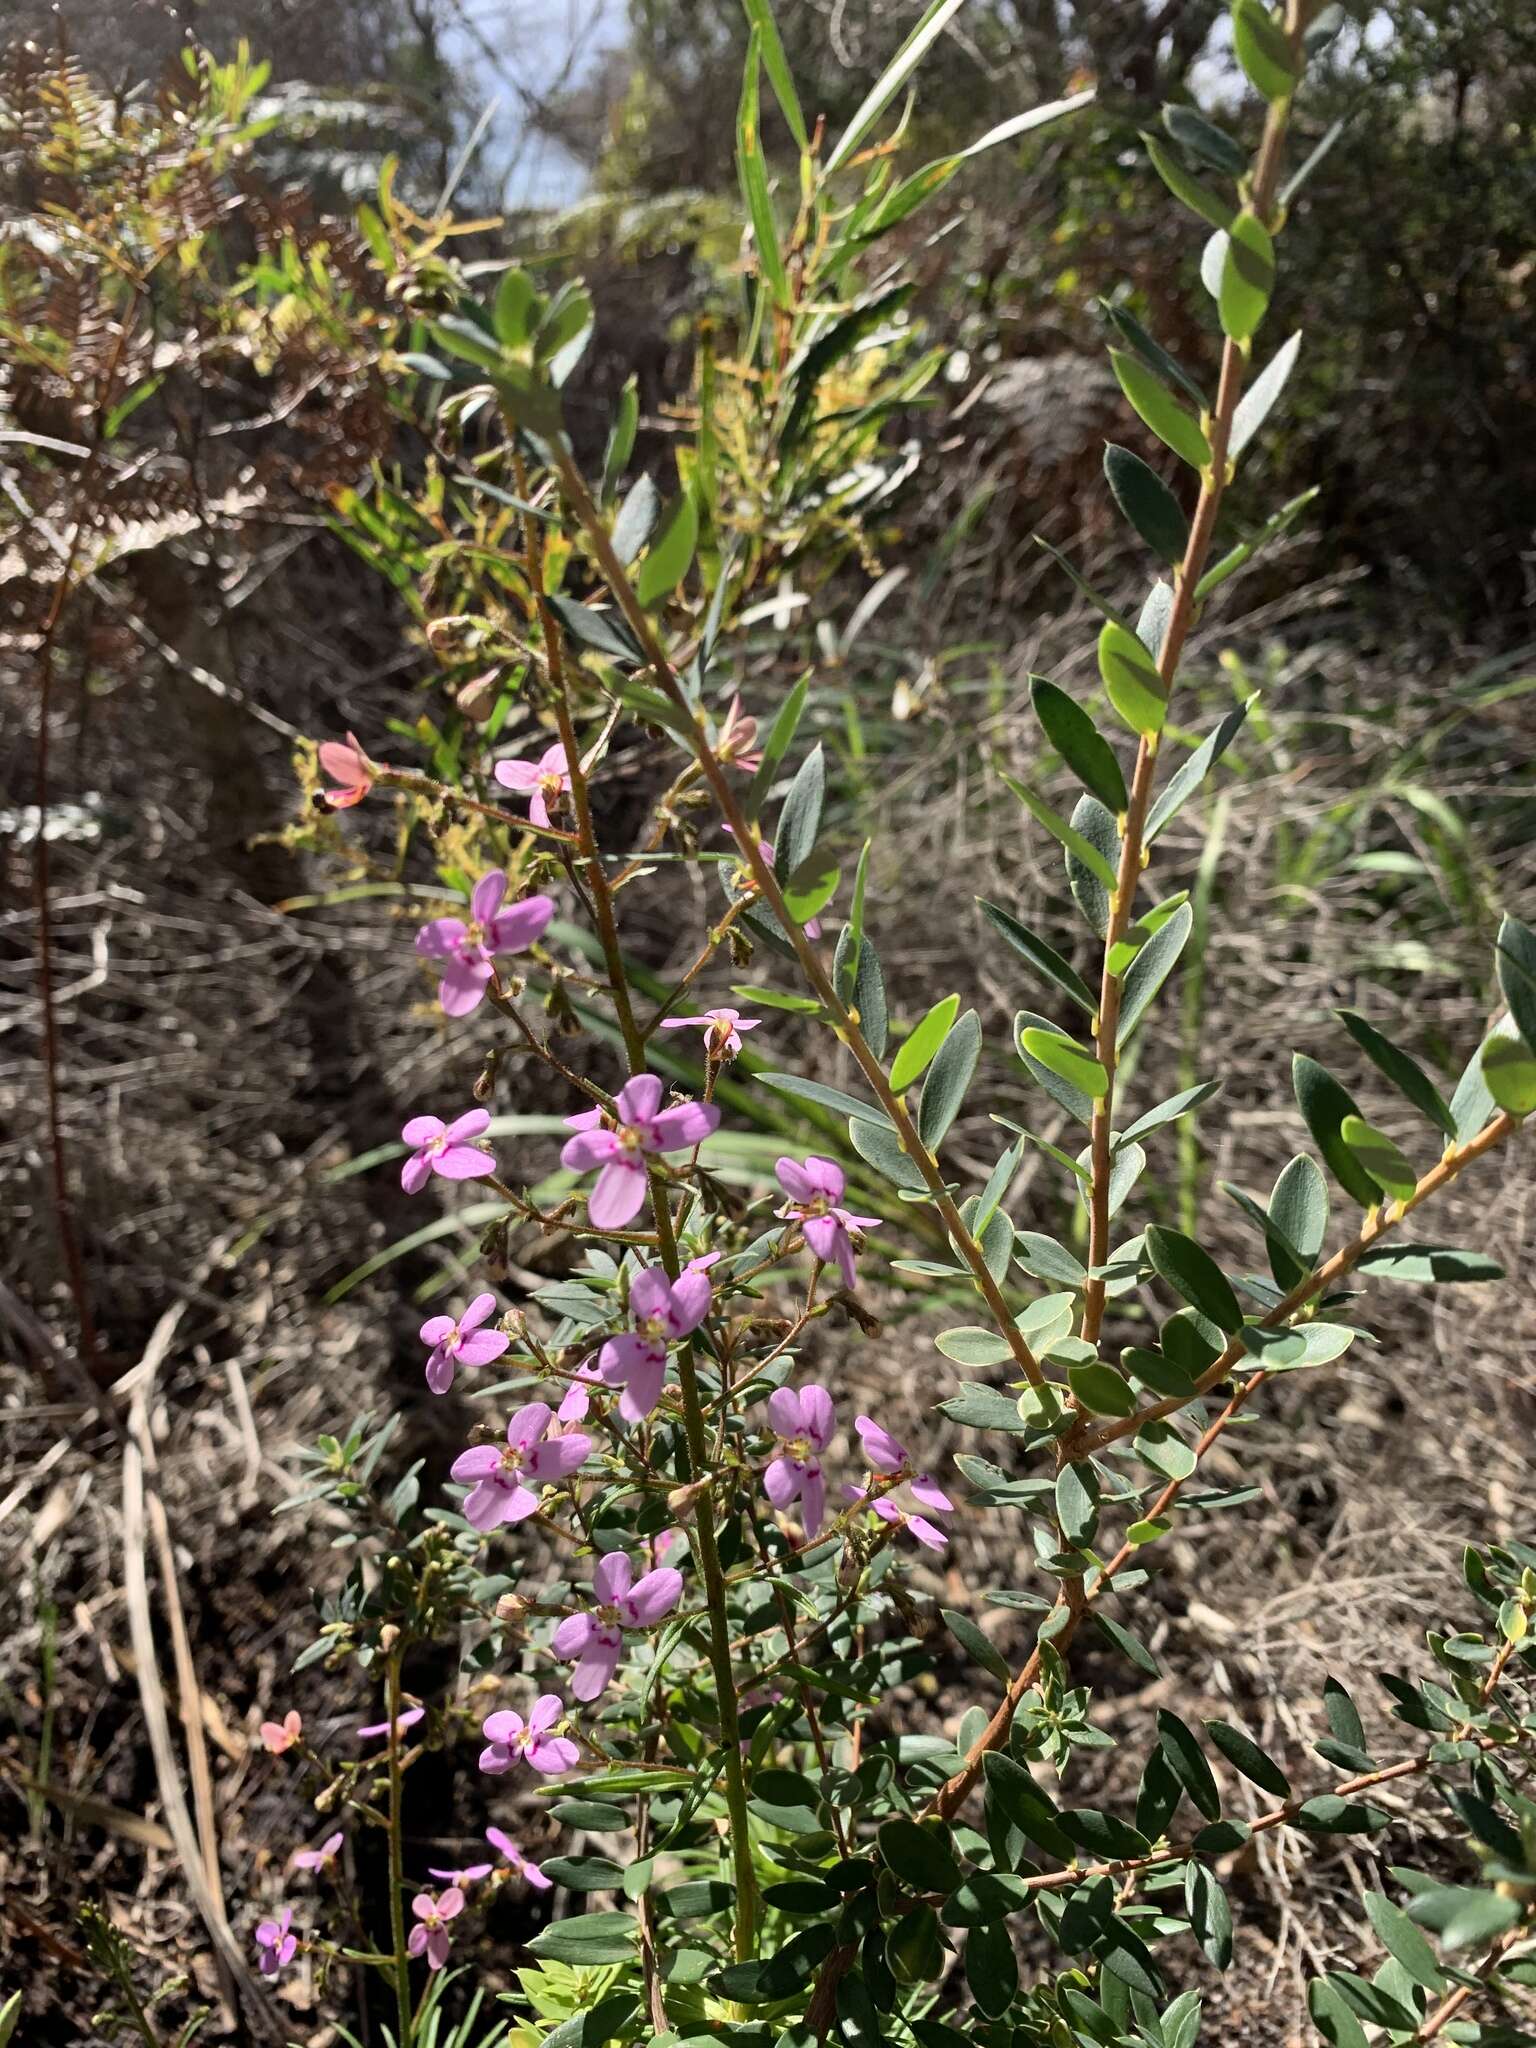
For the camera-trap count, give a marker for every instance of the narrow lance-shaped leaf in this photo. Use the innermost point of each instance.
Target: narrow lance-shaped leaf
(1401, 1070)
(1065, 1057)
(1382, 1159)
(800, 814)
(1192, 1272)
(885, 88)
(1325, 1103)
(1247, 277)
(1157, 407)
(1043, 958)
(671, 550)
(953, 1067)
(760, 17)
(1186, 779)
(1076, 843)
(1151, 968)
(1263, 49)
(1258, 400)
(1151, 351)
(1202, 138)
(1189, 190)
(1072, 732)
(1146, 501)
(1515, 954)
(752, 168)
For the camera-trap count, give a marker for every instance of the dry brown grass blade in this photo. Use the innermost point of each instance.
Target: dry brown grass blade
(98, 1813)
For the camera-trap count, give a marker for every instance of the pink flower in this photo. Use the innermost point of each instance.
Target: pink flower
(349, 766)
(509, 1740)
(663, 1311)
(445, 1149)
(594, 1640)
(468, 950)
(643, 1130)
(317, 1859)
(723, 1029)
(462, 1342)
(430, 1935)
(461, 1880)
(576, 1402)
(815, 1190)
(275, 1946)
(737, 738)
(543, 782)
(889, 1509)
(510, 1852)
(507, 1482)
(276, 1736)
(886, 1455)
(804, 1423)
(406, 1720)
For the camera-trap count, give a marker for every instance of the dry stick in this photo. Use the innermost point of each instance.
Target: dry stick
(1213, 484)
(844, 1022)
(687, 1375)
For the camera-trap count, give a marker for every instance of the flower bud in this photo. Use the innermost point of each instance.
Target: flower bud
(512, 1608)
(389, 1635)
(477, 699)
(683, 1499)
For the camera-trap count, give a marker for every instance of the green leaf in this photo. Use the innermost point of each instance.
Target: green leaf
(1403, 1941)
(868, 1001)
(878, 1146)
(920, 1856)
(1186, 1759)
(991, 1968)
(605, 633)
(1427, 1263)
(1146, 502)
(1194, 1274)
(671, 551)
(1509, 1068)
(585, 1873)
(1245, 1755)
(587, 1940)
(1072, 732)
(1099, 1388)
(1076, 844)
(1236, 558)
(1077, 1503)
(1131, 679)
(781, 737)
(1160, 410)
(828, 1098)
(1263, 49)
(985, 1408)
(752, 169)
(621, 440)
(812, 885)
(953, 1067)
(1403, 1072)
(1043, 958)
(1092, 822)
(977, 1646)
(1383, 1160)
(985, 1897)
(1169, 1112)
(923, 1042)
(1515, 957)
(1325, 1103)
(1342, 1714)
(973, 1345)
(1298, 1214)
(1333, 2016)
(1152, 353)
(799, 824)
(1328, 1814)
(1209, 1914)
(1183, 783)
(935, 20)
(1150, 969)
(1202, 138)
(1072, 1099)
(760, 18)
(1128, 1645)
(1247, 276)
(1064, 1057)
(1258, 400)
(1187, 189)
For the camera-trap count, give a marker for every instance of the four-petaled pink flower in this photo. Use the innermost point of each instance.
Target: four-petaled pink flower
(723, 1030)
(804, 1423)
(815, 1190)
(275, 1945)
(350, 767)
(402, 1721)
(890, 1457)
(430, 1935)
(889, 1508)
(643, 1129)
(462, 1342)
(509, 1739)
(663, 1311)
(507, 1481)
(510, 1853)
(318, 1859)
(446, 1149)
(543, 782)
(276, 1736)
(595, 1640)
(468, 950)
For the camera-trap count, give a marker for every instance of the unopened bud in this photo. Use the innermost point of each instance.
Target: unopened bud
(511, 1608)
(328, 1797)
(389, 1635)
(485, 1082)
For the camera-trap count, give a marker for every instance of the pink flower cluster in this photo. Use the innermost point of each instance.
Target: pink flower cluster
(805, 1424)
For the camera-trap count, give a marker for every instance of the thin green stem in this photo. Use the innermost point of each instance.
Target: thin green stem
(402, 1967)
